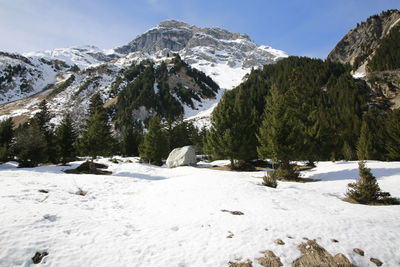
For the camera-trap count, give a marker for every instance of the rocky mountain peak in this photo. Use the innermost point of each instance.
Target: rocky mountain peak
(172, 24)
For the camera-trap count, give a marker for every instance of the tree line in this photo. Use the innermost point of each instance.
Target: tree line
(38, 141)
(302, 109)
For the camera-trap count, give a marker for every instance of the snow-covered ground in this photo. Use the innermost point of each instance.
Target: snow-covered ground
(154, 216)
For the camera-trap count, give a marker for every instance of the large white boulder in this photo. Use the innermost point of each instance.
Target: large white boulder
(182, 156)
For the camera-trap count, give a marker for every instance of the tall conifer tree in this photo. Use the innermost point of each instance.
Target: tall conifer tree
(66, 138)
(393, 133)
(233, 129)
(96, 138)
(155, 144)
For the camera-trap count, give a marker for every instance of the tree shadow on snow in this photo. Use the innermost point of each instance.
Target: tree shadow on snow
(139, 176)
(353, 174)
(13, 166)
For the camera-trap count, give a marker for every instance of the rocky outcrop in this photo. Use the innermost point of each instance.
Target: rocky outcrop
(386, 85)
(357, 45)
(196, 44)
(182, 156)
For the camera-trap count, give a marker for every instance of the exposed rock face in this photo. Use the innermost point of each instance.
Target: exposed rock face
(361, 41)
(195, 44)
(182, 156)
(359, 46)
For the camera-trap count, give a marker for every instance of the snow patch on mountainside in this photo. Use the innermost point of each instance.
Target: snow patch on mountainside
(82, 56)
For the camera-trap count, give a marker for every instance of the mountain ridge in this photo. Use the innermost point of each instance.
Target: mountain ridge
(224, 56)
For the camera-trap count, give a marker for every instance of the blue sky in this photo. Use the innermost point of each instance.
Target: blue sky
(299, 27)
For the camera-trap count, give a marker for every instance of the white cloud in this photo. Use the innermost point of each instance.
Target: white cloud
(44, 24)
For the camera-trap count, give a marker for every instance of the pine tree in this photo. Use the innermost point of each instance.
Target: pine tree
(232, 133)
(130, 140)
(365, 145)
(155, 144)
(366, 190)
(6, 136)
(96, 139)
(30, 145)
(393, 135)
(66, 138)
(278, 134)
(42, 119)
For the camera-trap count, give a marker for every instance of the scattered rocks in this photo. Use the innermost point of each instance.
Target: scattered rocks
(376, 261)
(314, 255)
(279, 242)
(269, 259)
(334, 240)
(359, 251)
(235, 212)
(43, 191)
(230, 235)
(247, 263)
(38, 257)
(290, 237)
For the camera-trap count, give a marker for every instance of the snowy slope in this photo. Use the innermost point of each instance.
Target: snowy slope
(22, 77)
(153, 216)
(82, 56)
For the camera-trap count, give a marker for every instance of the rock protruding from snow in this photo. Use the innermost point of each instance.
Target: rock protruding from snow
(182, 156)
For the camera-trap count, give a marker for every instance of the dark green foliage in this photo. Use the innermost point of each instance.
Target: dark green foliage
(393, 135)
(155, 144)
(6, 136)
(279, 134)
(130, 140)
(62, 86)
(148, 90)
(66, 138)
(30, 145)
(96, 139)
(347, 101)
(42, 119)
(371, 144)
(320, 112)
(184, 133)
(366, 190)
(232, 131)
(364, 145)
(387, 56)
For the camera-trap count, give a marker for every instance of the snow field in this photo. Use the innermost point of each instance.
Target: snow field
(154, 216)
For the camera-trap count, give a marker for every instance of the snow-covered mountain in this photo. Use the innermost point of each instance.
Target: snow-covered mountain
(67, 77)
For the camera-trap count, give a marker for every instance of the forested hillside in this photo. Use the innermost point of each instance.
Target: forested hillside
(302, 109)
